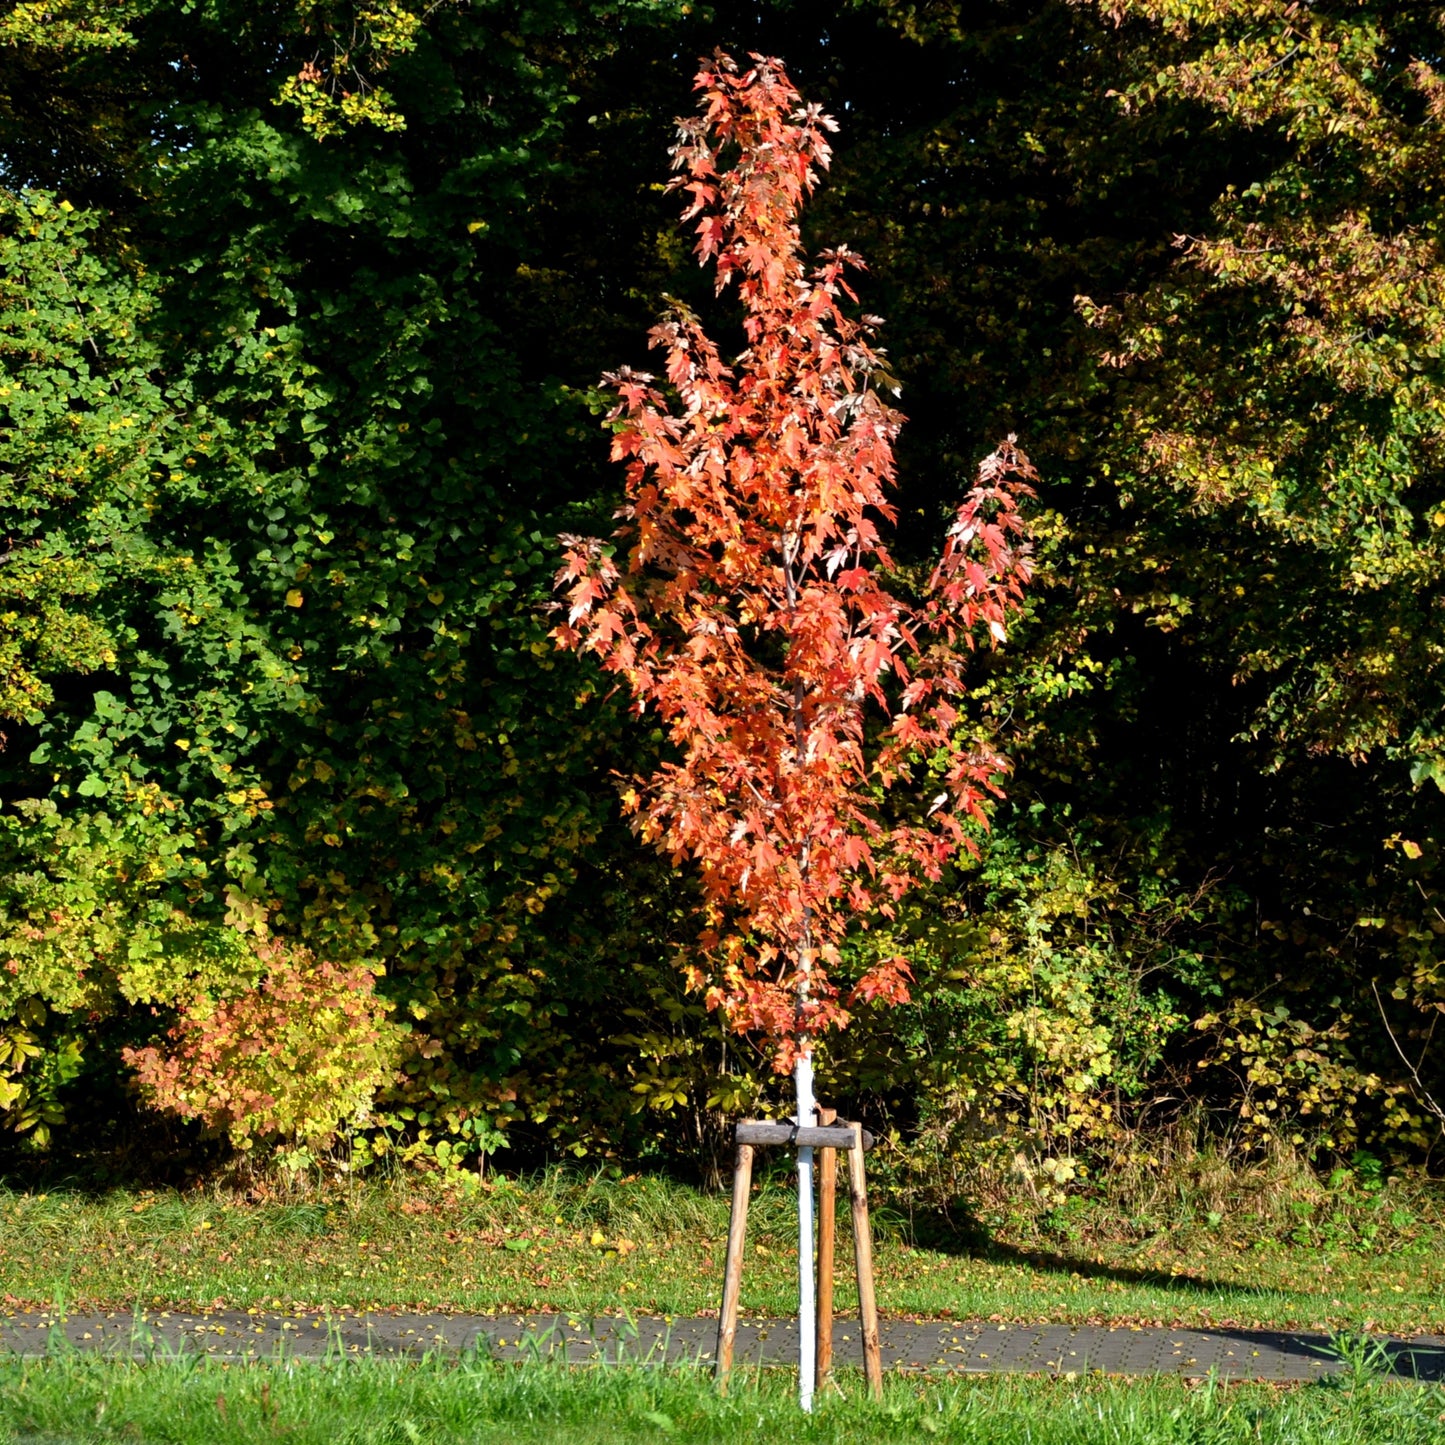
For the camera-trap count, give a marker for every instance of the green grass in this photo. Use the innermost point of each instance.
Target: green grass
(1353, 1261)
(75, 1400)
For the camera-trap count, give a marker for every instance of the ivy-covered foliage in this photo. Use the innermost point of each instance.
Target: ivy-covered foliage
(301, 311)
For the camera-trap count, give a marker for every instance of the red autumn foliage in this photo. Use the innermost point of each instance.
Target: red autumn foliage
(746, 604)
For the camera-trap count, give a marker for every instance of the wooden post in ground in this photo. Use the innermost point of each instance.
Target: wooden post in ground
(727, 1320)
(863, 1255)
(827, 1233)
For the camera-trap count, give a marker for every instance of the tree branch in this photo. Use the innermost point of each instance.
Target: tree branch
(1424, 1095)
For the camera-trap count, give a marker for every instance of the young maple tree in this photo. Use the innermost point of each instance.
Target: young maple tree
(750, 609)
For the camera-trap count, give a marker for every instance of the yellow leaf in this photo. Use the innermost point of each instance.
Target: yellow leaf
(294, 598)
(1409, 849)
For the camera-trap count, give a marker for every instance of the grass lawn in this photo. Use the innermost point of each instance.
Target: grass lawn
(67, 1401)
(580, 1244)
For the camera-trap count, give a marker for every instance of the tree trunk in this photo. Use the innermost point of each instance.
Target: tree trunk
(803, 1085)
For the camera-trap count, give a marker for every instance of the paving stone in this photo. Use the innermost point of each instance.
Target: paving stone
(933, 1346)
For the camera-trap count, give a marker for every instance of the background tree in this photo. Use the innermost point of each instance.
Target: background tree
(296, 660)
(1196, 248)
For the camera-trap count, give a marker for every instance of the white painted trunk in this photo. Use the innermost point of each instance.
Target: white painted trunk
(807, 1328)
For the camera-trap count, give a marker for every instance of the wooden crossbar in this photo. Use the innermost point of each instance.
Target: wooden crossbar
(809, 1137)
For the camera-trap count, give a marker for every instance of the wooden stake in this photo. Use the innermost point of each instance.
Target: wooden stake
(727, 1320)
(827, 1231)
(863, 1255)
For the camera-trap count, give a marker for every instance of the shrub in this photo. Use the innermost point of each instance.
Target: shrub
(290, 1060)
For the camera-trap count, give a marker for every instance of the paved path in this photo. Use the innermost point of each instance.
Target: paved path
(911, 1346)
